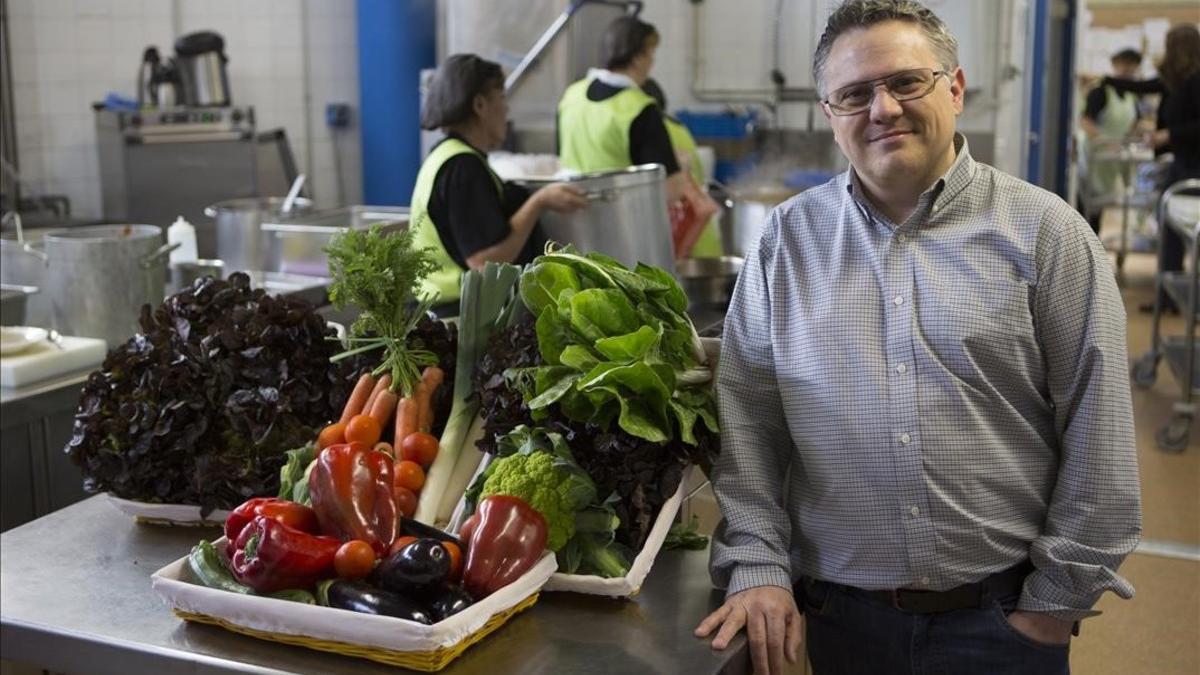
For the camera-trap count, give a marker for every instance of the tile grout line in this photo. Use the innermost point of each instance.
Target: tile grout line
(1169, 549)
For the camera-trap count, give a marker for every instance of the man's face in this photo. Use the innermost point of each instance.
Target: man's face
(891, 138)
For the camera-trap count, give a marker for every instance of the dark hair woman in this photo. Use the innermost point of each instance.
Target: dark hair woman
(460, 207)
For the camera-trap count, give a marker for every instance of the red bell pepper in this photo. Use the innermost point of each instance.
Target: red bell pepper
(351, 490)
(270, 556)
(504, 539)
(292, 514)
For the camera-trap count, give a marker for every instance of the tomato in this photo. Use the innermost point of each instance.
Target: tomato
(406, 501)
(354, 559)
(419, 447)
(409, 475)
(363, 429)
(400, 542)
(456, 559)
(331, 435)
(385, 447)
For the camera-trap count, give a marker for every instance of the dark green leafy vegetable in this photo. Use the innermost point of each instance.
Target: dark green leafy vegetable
(380, 274)
(686, 536)
(200, 406)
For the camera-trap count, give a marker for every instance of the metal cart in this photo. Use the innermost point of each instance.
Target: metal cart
(1130, 157)
(1178, 211)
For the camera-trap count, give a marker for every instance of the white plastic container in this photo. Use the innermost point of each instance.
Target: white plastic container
(183, 233)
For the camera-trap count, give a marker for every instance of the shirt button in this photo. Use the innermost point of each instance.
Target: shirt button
(915, 511)
(905, 438)
(901, 238)
(898, 300)
(902, 369)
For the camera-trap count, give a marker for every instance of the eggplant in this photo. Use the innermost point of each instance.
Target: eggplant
(449, 600)
(415, 528)
(417, 569)
(359, 596)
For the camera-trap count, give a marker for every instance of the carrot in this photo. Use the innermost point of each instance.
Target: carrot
(384, 382)
(358, 398)
(406, 418)
(384, 406)
(431, 379)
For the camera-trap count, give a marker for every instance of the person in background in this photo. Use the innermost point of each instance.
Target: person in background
(709, 243)
(1108, 118)
(606, 121)
(926, 429)
(460, 207)
(1178, 122)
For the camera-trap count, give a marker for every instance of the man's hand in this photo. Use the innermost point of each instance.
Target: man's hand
(772, 622)
(1041, 627)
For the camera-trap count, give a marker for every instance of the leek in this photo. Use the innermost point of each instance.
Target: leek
(485, 304)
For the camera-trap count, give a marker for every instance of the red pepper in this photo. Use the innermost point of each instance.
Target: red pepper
(270, 556)
(505, 538)
(291, 514)
(351, 489)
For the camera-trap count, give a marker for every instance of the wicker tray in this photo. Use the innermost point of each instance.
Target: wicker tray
(378, 638)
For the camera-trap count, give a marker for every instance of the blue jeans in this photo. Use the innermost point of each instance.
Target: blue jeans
(850, 633)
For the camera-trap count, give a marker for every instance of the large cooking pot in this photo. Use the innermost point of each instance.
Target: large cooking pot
(99, 277)
(25, 265)
(747, 209)
(241, 243)
(626, 216)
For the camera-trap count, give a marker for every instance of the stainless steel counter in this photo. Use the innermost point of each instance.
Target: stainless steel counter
(76, 597)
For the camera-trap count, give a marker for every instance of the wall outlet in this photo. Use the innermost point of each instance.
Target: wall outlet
(337, 115)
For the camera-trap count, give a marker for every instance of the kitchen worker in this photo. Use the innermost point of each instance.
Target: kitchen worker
(606, 121)
(927, 445)
(709, 243)
(460, 207)
(1108, 119)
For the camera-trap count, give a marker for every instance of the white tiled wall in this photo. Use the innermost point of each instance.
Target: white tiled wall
(287, 58)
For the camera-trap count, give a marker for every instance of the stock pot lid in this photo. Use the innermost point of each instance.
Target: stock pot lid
(200, 42)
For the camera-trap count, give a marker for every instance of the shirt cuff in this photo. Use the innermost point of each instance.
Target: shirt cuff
(752, 576)
(1041, 595)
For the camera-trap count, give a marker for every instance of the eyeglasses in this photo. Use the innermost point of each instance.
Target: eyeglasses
(905, 85)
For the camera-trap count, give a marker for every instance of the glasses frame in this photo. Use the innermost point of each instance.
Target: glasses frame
(839, 111)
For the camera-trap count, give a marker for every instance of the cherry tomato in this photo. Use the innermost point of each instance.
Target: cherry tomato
(406, 501)
(419, 447)
(400, 542)
(409, 475)
(354, 559)
(456, 559)
(331, 435)
(363, 429)
(385, 447)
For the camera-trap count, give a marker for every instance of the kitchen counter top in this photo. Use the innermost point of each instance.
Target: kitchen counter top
(76, 598)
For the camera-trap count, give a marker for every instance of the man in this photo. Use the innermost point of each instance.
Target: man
(606, 121)
(1108, 118)
(925, 414)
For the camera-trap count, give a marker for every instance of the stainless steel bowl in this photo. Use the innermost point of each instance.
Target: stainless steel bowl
(708, 281)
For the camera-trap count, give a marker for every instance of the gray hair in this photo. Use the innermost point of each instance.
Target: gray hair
(855, 14)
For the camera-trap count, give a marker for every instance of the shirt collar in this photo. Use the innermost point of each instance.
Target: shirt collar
(944, 189)
(618, 80)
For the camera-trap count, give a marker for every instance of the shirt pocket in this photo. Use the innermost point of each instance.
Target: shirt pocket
(983, 329)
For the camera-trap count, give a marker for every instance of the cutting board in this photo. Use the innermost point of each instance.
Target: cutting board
(44, 361)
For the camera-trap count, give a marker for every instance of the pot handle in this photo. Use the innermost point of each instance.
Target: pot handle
(158, 255)
(31, 250)
(607, 195)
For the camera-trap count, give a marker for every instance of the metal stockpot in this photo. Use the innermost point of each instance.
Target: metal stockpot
(200, 59)
(746, 211)
(626, 216)
(241, 242)
(26, 266)
(99, 277)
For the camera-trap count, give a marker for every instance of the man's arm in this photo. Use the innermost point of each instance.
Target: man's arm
(752, 548)
(1094, 517)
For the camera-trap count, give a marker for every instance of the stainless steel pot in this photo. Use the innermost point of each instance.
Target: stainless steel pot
(747, 209)
(708, 282)
(626, 216)
(99, 277)
(25, 265)
(241, 242)
(200, 59)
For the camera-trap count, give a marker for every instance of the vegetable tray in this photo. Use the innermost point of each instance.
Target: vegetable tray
(378, 638)
(631, 583)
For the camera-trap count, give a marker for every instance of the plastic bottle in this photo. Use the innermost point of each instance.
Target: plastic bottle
(183, 233)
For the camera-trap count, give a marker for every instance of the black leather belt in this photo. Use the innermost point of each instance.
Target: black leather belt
(967, 596)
